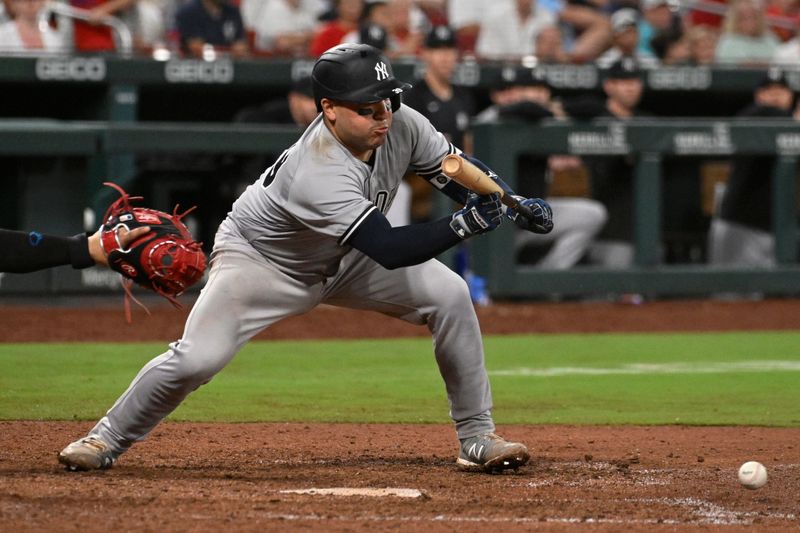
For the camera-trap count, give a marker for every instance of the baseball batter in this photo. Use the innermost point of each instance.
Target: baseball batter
(312, 230)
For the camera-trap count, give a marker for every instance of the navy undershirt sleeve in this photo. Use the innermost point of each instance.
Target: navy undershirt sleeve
(22, 252)
(404, 245)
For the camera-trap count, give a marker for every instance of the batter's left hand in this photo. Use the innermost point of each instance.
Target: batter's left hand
(540, 222)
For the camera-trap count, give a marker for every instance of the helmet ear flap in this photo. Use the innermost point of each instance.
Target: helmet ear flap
(396, 101)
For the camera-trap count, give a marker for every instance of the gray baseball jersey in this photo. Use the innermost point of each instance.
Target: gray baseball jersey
(283, 250)
(302, 210)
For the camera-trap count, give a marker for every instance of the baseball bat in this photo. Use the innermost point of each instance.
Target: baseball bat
(471, 177)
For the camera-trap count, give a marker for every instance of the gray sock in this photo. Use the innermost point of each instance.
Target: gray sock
(475, 425)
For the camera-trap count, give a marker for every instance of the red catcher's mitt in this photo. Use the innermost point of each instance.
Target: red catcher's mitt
(166, 260)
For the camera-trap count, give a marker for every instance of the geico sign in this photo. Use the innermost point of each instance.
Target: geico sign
(195, 71)
(71, 68)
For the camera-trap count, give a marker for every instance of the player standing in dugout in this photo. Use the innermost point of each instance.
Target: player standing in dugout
(310, 230)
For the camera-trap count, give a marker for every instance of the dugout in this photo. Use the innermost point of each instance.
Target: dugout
(163, 128)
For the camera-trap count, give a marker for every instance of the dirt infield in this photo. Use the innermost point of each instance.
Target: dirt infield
(66, 321)
(256, 477)
(232, 477)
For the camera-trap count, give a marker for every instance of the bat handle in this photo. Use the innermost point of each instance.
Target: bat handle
(512, 202)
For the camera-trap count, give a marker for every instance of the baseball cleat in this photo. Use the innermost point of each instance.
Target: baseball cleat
(491, 453)
(88, 453)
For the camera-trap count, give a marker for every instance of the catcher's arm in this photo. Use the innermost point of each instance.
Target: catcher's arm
(24, 252)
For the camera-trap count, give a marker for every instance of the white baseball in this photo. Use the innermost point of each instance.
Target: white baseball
(752, 475)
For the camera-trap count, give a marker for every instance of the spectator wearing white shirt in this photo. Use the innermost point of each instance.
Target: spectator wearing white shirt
(746, 38)
(282, 27)
(510, 32)
(465, 17)
(4, 15)
(788, 53)
(22, 32)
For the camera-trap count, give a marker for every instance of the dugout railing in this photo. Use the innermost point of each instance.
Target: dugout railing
(57, 201)
(649, 142)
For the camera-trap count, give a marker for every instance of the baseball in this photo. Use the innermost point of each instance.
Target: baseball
(752, 475)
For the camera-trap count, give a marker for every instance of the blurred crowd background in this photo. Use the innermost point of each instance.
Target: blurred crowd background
(554, 31)
(716, 209)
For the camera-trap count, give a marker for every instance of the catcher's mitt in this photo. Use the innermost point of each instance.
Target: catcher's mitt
(166, 260)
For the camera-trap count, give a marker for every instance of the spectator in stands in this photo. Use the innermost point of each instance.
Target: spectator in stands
(589, 28)
(782, 17)
(625, 26)
(94, 36)
(708, 13)
(465, 16)
(435, 11)
(401, 23)
(151, 24)
(702, 41)
(5, 16)
(373, 27)
(579, 219)
(741, 231)
(550, 46)
(448, 106)
(657, 18)
(211, 25)
(611, 177)
(671, 47)
(788, 53)
(23, 34)
(509, 31)
(745, 39)
(329, 34)
(281, 27)
(407, 29)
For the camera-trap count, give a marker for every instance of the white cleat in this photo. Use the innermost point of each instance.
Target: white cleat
(88, 453)
(491, 453)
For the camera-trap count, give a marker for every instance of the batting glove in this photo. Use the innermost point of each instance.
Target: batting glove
(542, 220)
(479, 215)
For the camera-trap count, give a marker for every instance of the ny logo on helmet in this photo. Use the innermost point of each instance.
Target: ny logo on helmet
(382, 70)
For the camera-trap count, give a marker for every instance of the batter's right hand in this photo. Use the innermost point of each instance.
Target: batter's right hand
(479, 215)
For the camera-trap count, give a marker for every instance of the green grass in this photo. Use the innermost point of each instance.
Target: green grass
(588, 379)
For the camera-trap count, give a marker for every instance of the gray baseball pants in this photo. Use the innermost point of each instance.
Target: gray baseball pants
(246, 294)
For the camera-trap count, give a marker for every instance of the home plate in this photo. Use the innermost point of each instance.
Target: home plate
(368, 491)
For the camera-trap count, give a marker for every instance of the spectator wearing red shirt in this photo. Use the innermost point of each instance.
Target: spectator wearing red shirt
(783, 17)
(92, 36)
(348, 16)
(708, 13)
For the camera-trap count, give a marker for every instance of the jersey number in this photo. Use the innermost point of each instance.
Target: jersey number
(381, 200)
(269, 175)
